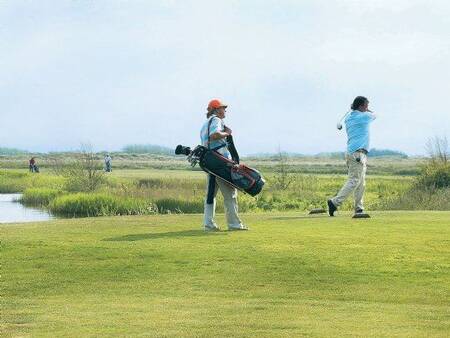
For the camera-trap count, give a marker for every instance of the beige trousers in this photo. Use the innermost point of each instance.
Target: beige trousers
(231, 206)
(356, 182)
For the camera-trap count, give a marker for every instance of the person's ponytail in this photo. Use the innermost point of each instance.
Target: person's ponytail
(210, 113)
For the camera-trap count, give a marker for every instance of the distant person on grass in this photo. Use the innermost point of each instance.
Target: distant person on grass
(357, 128)
(33, 166)
(108, 163)
(213, 136)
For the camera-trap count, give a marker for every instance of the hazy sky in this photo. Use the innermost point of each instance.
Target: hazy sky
(120, 72)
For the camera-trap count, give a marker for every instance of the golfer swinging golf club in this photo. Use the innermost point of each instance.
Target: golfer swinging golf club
(213, 136)
(357, 123)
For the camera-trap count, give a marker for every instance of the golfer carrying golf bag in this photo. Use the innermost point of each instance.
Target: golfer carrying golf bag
(357, 123)
(213, 136)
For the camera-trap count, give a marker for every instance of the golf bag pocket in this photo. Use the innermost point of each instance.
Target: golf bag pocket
(247, 179)
(217, 164)
(238, 175)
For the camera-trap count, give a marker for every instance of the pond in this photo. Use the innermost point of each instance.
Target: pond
(12, 211)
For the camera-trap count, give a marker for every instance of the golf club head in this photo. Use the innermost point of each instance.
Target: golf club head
(182, 150)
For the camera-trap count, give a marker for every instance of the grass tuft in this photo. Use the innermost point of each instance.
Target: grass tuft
(99, 204)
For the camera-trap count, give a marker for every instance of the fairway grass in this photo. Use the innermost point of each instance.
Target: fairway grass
(291, 275)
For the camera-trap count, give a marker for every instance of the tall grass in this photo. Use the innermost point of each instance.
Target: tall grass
(136, 194)
(98, 204)
(39, 196)
(178, 195)
(419, 199)
(173, 205)
(12, 181)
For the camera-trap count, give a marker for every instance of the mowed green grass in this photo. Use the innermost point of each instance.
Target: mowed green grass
(291, 275)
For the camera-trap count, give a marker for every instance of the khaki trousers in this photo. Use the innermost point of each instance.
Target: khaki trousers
(356, 182)
(231, 206)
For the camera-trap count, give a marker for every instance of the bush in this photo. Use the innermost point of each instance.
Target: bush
(431, 190)
(435, 175)
(89, 205)
(39, 196)
(419, 199)
(84, 173)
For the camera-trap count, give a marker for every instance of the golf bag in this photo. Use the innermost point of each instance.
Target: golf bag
(240, 176)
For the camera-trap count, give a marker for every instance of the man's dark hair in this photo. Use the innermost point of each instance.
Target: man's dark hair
(358, 101)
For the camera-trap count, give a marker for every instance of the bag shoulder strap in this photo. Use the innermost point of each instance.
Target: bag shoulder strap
(209, 126)
(226, 143)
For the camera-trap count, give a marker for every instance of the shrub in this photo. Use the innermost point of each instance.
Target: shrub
(435, 175)
(436, 172)
(89, 205)
(431, 190)
(84, 173)
(419, 199)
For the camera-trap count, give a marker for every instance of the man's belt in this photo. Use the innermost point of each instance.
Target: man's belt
(362, 150)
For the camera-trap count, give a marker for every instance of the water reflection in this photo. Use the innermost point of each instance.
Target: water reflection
(14, 212)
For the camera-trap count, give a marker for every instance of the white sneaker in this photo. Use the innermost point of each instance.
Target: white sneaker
(211, 228)
(238, 228)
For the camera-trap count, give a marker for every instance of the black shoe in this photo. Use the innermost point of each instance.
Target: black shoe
(331, 208)
(361, 215)
(359, 211)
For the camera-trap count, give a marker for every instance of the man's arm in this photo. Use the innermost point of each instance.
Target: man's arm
(217, 134)
(372, 115)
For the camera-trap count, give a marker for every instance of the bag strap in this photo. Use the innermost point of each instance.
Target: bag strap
(209, 136)
(209, 126)
(229, 143)
(212, 179)
(232, 149)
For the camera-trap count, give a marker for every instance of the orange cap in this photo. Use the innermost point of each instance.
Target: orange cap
(215, 104)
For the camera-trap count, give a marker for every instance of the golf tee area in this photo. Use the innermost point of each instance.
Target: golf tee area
(291, 275)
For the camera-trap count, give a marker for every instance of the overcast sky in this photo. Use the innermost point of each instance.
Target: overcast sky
(112, 73)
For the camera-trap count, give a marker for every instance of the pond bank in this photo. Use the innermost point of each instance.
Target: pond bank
(12, 211)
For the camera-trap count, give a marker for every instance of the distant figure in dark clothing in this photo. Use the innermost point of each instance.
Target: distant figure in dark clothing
(33, 166)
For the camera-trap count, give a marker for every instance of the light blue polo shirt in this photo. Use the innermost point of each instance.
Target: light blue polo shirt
(357, 126)
(216, 126)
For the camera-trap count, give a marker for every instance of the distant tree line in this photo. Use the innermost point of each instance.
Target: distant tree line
(162, 150)
(386, 152)
(337, 154)
(12, 151)
(147, 149)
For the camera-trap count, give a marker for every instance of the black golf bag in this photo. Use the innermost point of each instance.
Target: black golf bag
(211, 161)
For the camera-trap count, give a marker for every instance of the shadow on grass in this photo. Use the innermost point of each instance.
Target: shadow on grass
(281, 218)
(157, 235)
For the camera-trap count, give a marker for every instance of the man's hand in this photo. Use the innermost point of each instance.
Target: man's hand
(227, 130)
(220, 135)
